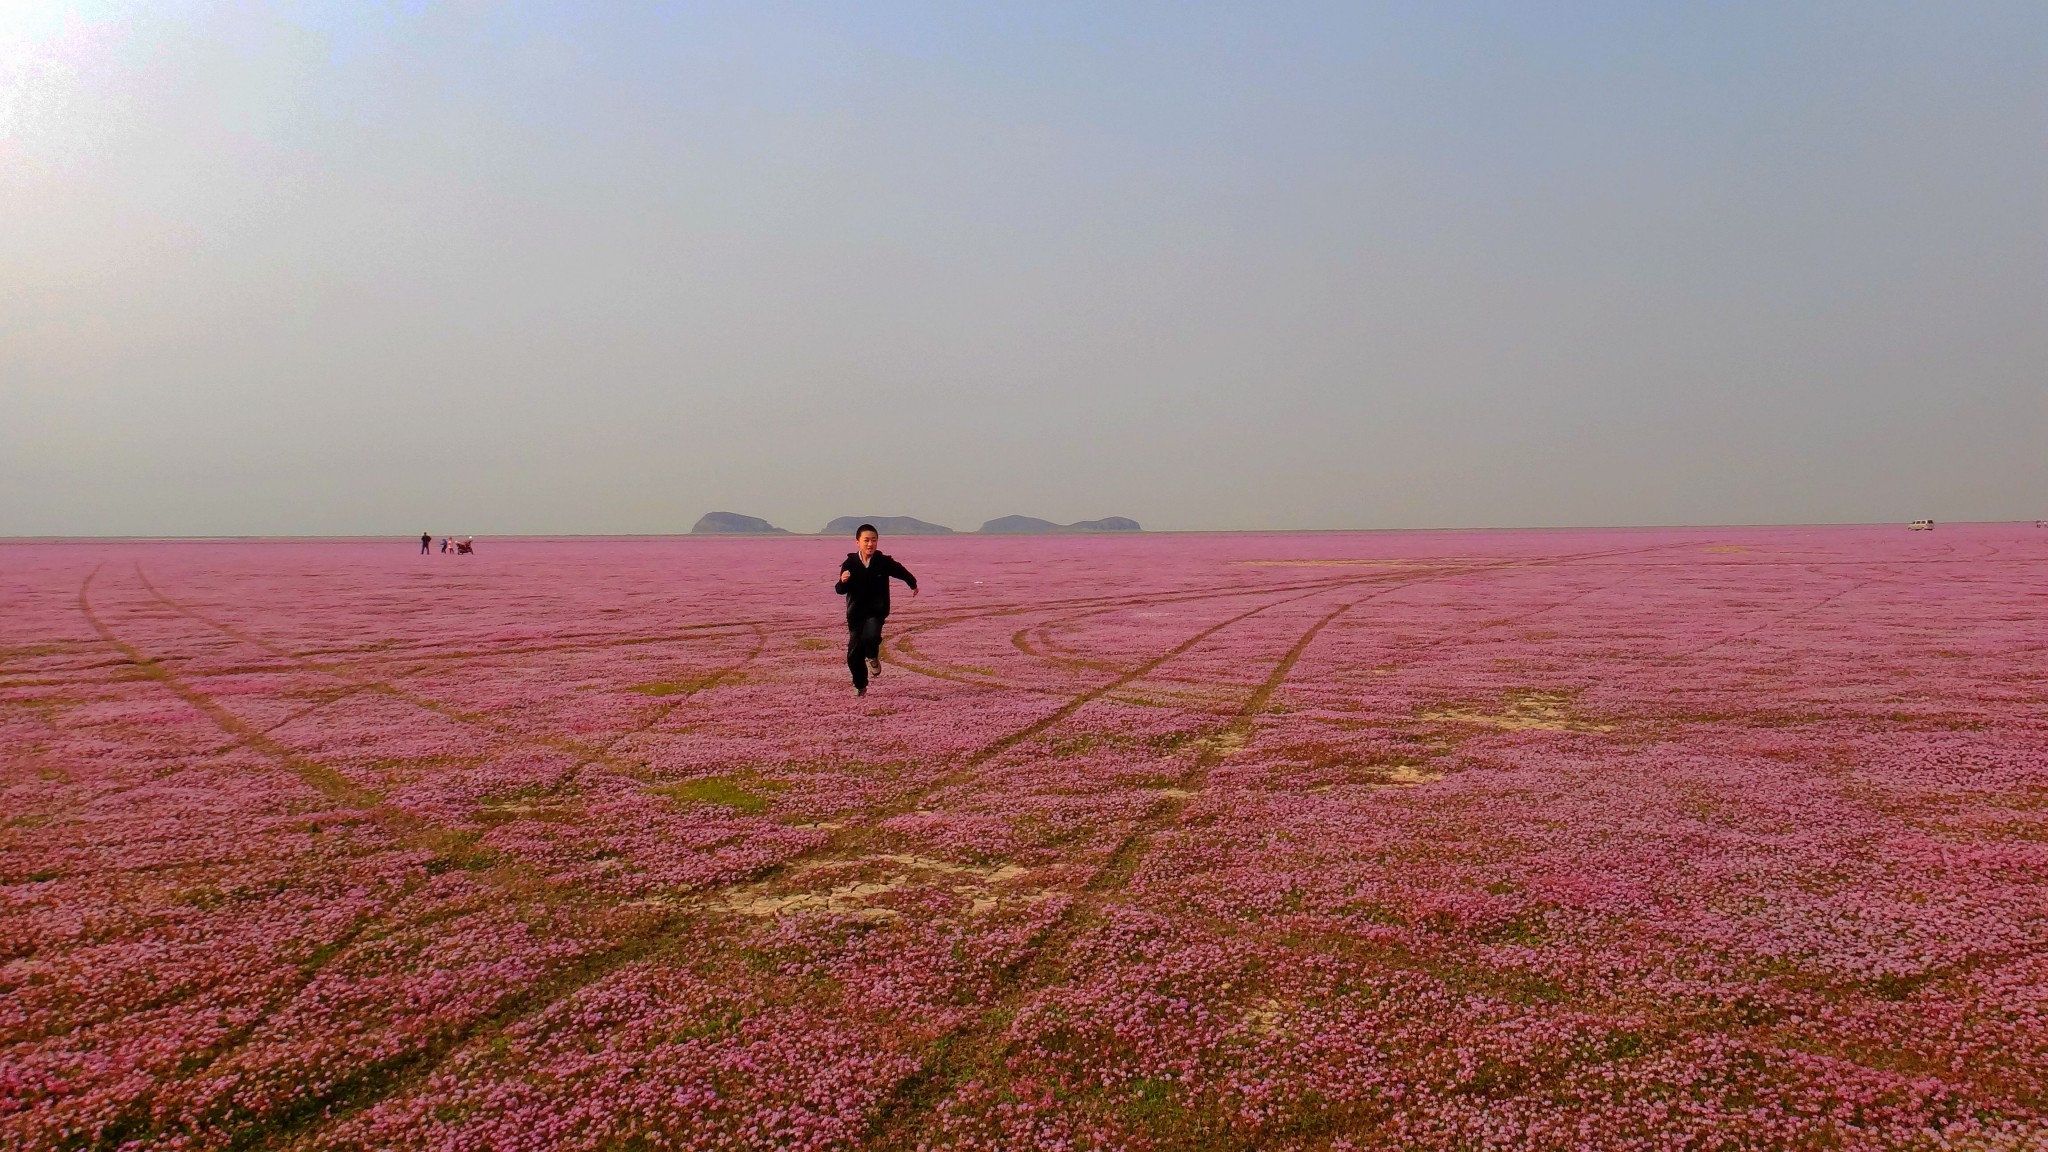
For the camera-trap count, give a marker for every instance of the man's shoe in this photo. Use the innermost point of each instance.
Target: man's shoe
(860, 691)
(874, 666)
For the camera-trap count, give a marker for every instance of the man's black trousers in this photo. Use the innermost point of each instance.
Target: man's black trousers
(863, 643)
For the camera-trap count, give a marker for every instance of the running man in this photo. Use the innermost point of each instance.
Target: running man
(864, 581)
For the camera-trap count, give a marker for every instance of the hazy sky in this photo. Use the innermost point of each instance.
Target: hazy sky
(359, 268)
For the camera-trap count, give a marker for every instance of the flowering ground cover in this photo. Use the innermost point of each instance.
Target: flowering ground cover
(1731, 838)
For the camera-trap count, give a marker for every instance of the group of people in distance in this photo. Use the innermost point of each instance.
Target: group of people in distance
(464, 547)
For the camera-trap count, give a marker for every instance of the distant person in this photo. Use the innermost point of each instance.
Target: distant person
(444, 545)
(864, 581)
(426, 542)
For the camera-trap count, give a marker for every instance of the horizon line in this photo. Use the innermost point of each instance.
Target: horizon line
(223, 537)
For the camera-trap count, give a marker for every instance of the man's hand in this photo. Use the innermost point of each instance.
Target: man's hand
(844, 575)
(913, 593)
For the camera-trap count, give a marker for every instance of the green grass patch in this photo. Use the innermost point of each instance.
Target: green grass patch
(720, 1022)
(721, 790)
(1893, 986)
(683, 687)
(1155, 1104)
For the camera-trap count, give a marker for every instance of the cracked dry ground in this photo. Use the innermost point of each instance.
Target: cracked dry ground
(1631, 839)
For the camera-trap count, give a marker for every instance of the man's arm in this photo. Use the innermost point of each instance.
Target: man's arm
(902, 573)
(845, 575)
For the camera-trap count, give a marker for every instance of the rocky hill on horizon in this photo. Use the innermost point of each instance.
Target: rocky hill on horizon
(738, 524)
(734, 524)
(886, 525)
(1032, 525)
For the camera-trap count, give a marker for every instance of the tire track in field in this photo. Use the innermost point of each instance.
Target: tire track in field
(1415, 571)
(1124, 859)
(576, 748)
(369, 1085)
(126, 1126)
(515, 879)
(925, 666)
(134, 1122)
(585, 754)
(600, 754)
(404, 827)
(1782, 617)
(657, 717)
(599, 642)
(301, 1122)
(1018, 640)
(842, 844)
(1047, 650)
(595, 967)
(949, 671)
(956, 1055)
(1111, 880)
(310, 709)
(603, 640)
(971, 765)
(399, 1074)
(959, 1054)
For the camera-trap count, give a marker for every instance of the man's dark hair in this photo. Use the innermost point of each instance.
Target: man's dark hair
(866, 528)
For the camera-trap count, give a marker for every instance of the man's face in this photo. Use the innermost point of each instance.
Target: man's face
(867, 541)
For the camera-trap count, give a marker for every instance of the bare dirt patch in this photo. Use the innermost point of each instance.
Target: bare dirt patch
(983, 888)
(1525, 711)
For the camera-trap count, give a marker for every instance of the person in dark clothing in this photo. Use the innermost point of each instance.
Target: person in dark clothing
(426, 542)
(864, 581)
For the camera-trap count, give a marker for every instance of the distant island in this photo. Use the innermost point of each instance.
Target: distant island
(886, 525)
(1032, 525)
(734, 524)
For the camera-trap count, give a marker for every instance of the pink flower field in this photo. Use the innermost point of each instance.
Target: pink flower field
(1672, 839)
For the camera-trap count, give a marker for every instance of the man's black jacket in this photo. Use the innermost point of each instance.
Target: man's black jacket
(867, 589)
